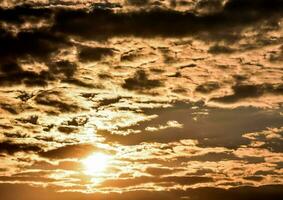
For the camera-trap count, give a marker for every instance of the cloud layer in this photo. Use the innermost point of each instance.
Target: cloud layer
(183, 97)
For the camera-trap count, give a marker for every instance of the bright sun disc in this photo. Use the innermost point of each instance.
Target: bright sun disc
(96, 163)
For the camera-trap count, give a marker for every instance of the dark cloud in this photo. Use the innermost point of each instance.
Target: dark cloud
(207, 87)
(10, 108)
(67, 129)
(57, 100)
(13, 74)
(213, 157)
(37, 44)
(80, 83)
(33, 119)
(24, 13)
(64, 165)
(163, 22)
(187, 180)
(143, 23)
(130, 55)
(182, 180)
(32, 46)
(70, 151)
(11, 147)
(138, 2)
(273, 144)
(254, 178)
(39, 176)
(243, 193)
(242, 91)
(94, 53)
(250, 6)
(77, 121)
(209, 6)
(141, 81)
(276, 56)
(64, 66)
(157, 171)
(217, 49)
(108, 101)
(30, 179)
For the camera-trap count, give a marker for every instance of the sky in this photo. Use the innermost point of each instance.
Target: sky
(141, 99)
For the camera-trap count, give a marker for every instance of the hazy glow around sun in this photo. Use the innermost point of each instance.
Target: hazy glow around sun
(96, 163)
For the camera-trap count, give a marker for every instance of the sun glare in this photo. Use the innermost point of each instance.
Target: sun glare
(96, 163)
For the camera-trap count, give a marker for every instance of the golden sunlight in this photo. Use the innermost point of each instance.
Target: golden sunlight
(96, 163)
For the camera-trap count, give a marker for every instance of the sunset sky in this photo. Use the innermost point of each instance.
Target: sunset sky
(141, 99)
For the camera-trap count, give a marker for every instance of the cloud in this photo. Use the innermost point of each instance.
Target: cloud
(63, 165)
(270, 139)
(169, 124)
(64, 66)
(24, 13)
(209, 129)
(242, 91)
(32, 177)
(216, 49)
(277, 56)
(245, 193)
(32, 46)
(140, 81)
(160, 22)
(138, 2)
(182, 180)
(207, 87)
(209, 6)
(11, 147)
(94, 53)
(57, 100)
(38, 44)
(159, 171)
(13, 74)
(150, 86)
(70, 151)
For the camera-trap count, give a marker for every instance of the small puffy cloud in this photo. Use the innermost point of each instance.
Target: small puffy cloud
(169, 124)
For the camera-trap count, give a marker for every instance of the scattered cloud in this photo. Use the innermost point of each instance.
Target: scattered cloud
(184, 98)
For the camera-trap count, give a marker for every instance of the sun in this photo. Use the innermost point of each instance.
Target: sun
(96, 163)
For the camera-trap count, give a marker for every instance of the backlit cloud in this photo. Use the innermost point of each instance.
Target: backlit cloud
(141, 99)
